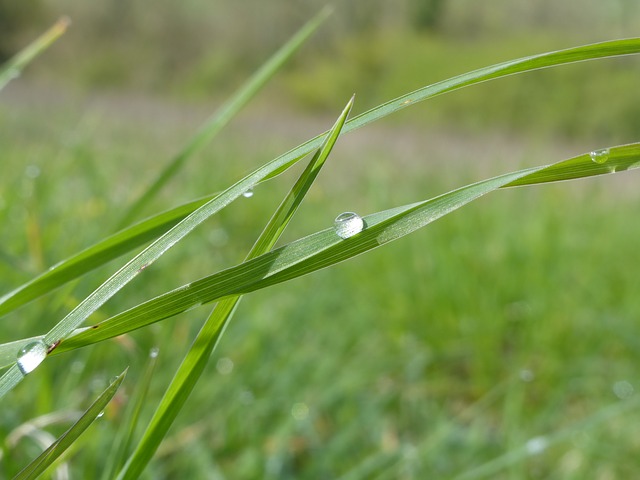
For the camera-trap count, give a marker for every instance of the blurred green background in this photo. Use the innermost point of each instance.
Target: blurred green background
(484, 338)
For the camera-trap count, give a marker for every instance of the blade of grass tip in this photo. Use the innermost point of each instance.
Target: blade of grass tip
(154, 251)
(323, 249)
(193, 365)
(57, 448)
(131, 419)
(16, 64)
(588, 52)
(227, 111)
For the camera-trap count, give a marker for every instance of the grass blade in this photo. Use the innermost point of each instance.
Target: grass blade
(46, 458)
(15, 65)
(97, 255)
(325, 248)
(211, 332)
(228, 110)
(80, 266)
(129, 271)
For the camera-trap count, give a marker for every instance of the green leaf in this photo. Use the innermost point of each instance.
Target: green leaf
(190, 370)
(46, 458)
(227, 111)
(15, 65)
(325, 248)
(143, 232)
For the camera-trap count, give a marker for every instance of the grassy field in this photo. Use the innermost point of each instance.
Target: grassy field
(499, 342)
(503, 331)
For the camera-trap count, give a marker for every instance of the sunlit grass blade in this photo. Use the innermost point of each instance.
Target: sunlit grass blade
(27, 292)
(44, 460)
(110, 287)
(15, 65)
(211, 332)
(325, 248)
(227, 111)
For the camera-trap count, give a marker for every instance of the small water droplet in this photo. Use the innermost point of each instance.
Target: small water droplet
(526, 375)
(300, 411)
(623, 389)
(536, 445)
(224, 366)
(347, 224)
(32, 171)
(101, 414)
(248, 193)
(153, 353)
(600, 156)
(31, 355)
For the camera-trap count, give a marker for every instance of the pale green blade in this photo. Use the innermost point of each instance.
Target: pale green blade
(325, 248)
(15, 65)
(227, 111)
(190, 370)
(125, 242)
(57, 448)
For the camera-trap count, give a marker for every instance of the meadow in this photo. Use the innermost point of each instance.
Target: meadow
(498, 342)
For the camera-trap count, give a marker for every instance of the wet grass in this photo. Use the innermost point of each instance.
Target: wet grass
(497, 343)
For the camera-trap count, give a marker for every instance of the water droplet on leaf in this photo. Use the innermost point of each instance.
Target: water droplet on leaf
(31, 355)
(347, 224)
(600, 156)
(248, 193)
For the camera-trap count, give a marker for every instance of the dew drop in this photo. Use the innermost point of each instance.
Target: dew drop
(153, 353)
(536, 445)
(31, 355)
(100, 415)
(248, 193)
(600, 156)
(224, 366)
(347, 224)
(300, 411)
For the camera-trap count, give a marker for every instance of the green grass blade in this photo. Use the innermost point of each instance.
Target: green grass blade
(278, 165)
(40, 464)
(97, 255)
(129, 423)
(161, 245)
(227, 111)
(15, 65)
(325, 248)
(193, 365)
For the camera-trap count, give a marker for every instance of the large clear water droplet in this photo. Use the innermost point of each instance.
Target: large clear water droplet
(31, 355)
(347, 224)
(600, 156)
(248, 193)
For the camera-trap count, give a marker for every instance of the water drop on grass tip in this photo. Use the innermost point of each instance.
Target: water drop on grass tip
(31, 355)
(600, 156)
(348, 224)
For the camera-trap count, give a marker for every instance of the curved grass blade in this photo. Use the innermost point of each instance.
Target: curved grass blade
(15, 65)
(162, 244)
(281, 163)
(211, 332)
(46, 458)
(227, 111)
(325, 248)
